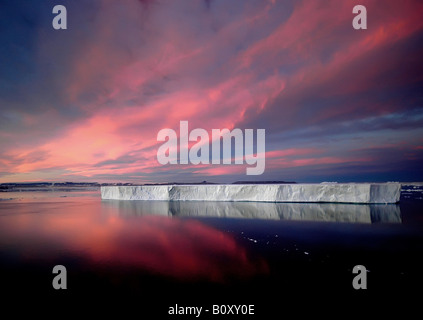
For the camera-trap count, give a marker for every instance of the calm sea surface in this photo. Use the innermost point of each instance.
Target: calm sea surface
(153, 255)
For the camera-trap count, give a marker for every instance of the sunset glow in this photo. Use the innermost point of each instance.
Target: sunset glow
(86, 103)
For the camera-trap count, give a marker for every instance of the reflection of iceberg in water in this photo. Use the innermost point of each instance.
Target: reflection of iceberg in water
(334, 212)
(385, 213)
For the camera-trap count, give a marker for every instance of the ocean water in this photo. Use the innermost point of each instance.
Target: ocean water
(150, 256)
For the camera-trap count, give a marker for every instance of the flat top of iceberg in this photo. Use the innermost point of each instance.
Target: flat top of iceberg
(264, 184)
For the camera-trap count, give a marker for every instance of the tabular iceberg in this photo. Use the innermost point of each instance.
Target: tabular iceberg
(336, 193)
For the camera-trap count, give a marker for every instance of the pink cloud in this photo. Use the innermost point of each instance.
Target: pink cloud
(129, 77)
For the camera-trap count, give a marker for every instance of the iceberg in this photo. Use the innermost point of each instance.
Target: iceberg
(333, 193)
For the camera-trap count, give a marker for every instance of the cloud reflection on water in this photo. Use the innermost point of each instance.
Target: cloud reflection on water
(94, 235)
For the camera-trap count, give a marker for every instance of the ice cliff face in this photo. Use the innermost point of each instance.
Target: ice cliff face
(344, 193)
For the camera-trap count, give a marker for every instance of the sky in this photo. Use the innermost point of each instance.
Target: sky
(86, 103)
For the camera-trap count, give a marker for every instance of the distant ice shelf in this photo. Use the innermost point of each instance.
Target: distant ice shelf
(333, 192)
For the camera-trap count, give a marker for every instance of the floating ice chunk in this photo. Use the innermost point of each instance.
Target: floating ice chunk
(345, 193)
